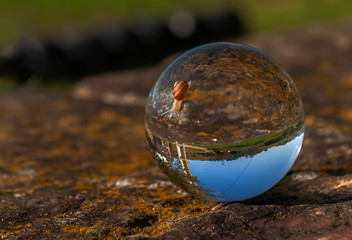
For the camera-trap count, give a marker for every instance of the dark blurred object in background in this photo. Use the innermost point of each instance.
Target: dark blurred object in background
(115, 47)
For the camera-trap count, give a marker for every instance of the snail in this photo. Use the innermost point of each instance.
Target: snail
(179, 92)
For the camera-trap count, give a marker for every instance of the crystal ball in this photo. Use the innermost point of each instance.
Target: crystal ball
(224, 122)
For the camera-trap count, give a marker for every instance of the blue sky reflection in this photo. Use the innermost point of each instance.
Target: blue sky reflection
(246, 177)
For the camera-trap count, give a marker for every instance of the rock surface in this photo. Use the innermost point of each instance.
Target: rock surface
(78, 167)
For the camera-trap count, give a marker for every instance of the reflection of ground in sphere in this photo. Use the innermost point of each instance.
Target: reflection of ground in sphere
(239, 128)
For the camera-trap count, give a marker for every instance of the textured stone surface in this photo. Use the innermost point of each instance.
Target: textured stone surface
(77, 167)
(236, 93)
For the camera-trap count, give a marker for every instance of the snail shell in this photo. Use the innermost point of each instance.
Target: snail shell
(180, 90)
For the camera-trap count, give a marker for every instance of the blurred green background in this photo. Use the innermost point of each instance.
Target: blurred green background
(51, 19)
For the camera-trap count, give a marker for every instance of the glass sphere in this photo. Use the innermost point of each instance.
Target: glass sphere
(224, 122)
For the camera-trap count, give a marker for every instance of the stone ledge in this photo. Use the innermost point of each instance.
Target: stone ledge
(76, 167)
